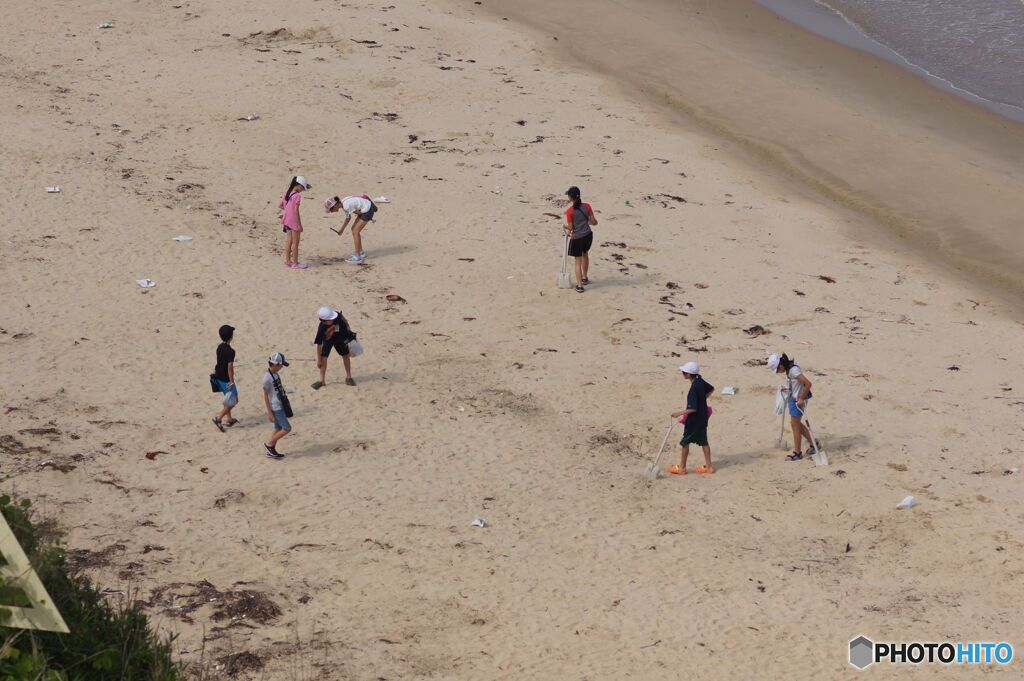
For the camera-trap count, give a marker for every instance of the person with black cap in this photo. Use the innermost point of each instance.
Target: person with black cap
(579, 218)
(279, 409)
(224, 375)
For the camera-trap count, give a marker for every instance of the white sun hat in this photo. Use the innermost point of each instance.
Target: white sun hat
(301, 179)
(691, 368)
(326, 314)
(773, 363)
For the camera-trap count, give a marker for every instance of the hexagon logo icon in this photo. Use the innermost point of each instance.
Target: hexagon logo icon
(862, 652)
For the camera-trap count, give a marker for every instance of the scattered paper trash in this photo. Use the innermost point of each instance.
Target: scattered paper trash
(382, 199)
(53, 190)
(728, 390)
(106, 24)
(183, 237)
(478, 522)
(145, 283)
(908, 502)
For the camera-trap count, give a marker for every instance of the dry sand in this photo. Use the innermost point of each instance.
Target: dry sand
(488, 391)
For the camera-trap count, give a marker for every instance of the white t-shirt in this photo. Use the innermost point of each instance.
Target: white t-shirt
(355, 204)
(796, 388)
(268, 384)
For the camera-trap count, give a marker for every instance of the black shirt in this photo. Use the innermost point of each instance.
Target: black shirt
(342, 334)
(697, 399)
(225, 356)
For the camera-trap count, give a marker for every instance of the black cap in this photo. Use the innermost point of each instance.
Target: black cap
(226, 333)
(574, 192)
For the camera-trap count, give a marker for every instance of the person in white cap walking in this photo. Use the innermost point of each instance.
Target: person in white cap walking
(279, 409)
(797, 392)
(291, 221)
(333, 331)
(697, 413)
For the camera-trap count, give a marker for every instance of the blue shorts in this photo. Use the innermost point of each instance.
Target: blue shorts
(281, 421)
(230, 390)
(795, 410)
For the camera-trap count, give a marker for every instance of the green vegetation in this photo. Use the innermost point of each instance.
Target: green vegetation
(105, 642)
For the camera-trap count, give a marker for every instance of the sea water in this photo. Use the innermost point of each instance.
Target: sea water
(973, 47)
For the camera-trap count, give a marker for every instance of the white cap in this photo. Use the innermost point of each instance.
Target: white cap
(301, 179)
(691, 368)
(773, 363)
(326, 314)
(278, 358)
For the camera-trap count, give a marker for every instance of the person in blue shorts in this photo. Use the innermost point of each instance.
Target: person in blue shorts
(224, 374)
(798, 393)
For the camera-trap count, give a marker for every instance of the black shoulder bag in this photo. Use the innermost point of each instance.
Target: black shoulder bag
(281, 395)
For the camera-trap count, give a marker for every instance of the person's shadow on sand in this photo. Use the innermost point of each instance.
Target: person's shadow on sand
(322, 260)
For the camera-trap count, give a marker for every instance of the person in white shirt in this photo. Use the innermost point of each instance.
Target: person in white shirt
(798, 393)
(359, 209)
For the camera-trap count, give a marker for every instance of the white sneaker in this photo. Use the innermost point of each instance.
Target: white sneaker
(353, 259)
(362, 255)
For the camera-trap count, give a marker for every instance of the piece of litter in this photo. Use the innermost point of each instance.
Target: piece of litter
(908, 502)
(728, 390)
(252, 117)
(183, 237)
(478, 522)
(106, 24)
(1011, 471)
(145, 283)
(382, 199)
(53, 190)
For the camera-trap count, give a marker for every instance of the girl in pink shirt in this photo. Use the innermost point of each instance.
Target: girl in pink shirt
(291, 221)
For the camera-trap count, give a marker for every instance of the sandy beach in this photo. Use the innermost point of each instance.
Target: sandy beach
(486, 391)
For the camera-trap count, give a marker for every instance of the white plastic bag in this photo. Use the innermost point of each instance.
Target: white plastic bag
(355, 348)
(780, 402)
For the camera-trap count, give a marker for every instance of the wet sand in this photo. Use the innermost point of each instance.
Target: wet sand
(941, 174)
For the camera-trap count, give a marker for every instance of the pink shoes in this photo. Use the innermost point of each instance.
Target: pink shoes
(299, 266)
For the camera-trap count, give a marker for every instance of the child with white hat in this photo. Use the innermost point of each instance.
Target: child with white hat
(333, 331)
(697, 412)
(291, 221)
(798, 393)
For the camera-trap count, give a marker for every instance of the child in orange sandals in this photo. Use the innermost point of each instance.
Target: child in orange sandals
(696, 414)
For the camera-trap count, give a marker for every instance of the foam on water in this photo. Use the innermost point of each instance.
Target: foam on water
(972, 47)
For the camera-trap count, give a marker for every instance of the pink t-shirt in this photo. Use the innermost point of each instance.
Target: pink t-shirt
(290, 219)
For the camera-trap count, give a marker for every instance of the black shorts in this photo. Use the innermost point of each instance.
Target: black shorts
(368, 215)
(340, 347)
(578, 247)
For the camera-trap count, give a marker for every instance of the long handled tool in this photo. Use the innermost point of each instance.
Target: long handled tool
(781, 442)
(564, 280)
(819, 457)
(653, 468)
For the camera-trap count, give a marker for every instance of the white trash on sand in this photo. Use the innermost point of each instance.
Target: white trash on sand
(53, 190)
(182, 237)
(478, 522)
(728, 390)
(145, 283)
(382, 199)
(106, 24)
(908, 502)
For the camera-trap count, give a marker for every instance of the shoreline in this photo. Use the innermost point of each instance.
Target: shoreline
(832, 24)
(930, 170)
